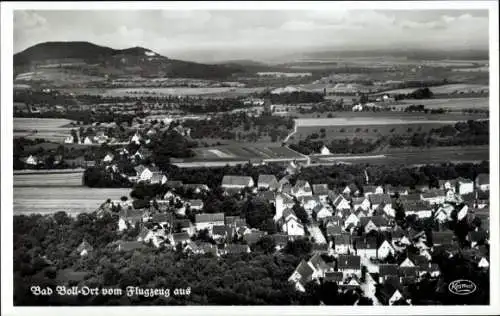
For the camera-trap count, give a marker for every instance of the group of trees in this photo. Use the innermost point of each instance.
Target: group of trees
(351, 146)
(421, 93)
(294, 97)
(240, 126)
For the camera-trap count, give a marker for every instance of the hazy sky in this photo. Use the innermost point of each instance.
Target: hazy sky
(217, 35)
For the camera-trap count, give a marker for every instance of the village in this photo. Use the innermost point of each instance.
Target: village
(369, 238)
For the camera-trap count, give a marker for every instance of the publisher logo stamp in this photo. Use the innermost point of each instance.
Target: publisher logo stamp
(462, 287)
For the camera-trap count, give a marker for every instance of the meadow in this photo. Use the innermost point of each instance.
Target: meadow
(49, 129)
(452, 104)
(446, 89)
(177, 91)
(73, 200)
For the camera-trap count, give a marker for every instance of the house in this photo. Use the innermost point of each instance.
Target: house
(387, 270)
(319, 266)
(420, 208)
(301, 188)
(164, 220)
(136, 139)
(340, 203)
(377, 199)
(407, 263)
(447, 185)
(376, 223)
(87, 141)
(301, 276)
(483, 263)
(351, 189)
(146, 235)
(351, 220)
(321, 212)
(321, 191)
(360, 202)
(325, 151)
(207, 220)
(393, 190)
(158, 178)
(219, 232)
(129, 216)
(372, 189)
(69, 140)
(333, 230)
(357, 108)
(31, 160)
(282, 202)
(309, 203)
(143, 174)
(384, 250)
(342, 243)
(84, 248)
(434, 196)
(235, 221)
(196, 204)
(237, 182)
(267, 182)
(365, 246)
(389, 294)
(184, 225)
(349, 265)
(179, 238)
(268, 196)
(465, 186)
(336, 277)
(483, 182)
(290, 224)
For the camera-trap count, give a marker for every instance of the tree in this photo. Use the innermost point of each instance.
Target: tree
(299, 247)
(266, 244)
(301, 213)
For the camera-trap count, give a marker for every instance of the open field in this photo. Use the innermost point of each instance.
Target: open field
(446, 89)
(365, 131)
(50, 129)
(414, 156)
(73, 200)
(351, 124)
(453, 104)
(367, 120)
(48, 178)
(238, 153)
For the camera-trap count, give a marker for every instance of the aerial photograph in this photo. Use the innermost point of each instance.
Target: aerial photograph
(251, 157)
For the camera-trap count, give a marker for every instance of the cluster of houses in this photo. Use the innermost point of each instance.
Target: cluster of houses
(358, 220)
(349, 228)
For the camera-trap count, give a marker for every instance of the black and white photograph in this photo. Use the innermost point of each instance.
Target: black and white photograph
(331, 156)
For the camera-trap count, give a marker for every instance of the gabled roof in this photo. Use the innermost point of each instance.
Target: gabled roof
(408, 271)
(182, 223)
(464, 180)
(343, 239)
(334, 230)
(180, 237)
(209, 217)
(317, 262)
(358, 200)
(229, 180)
(334, 276)
(266, 195)
(369, 188)
(219, 230)
(410, 197)
(162, 218)
(380, 198)
(339, 199)
(305, 271)
(235, 221)
(388, 269)
(320, 189)
(267, 179)
(349, 262)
